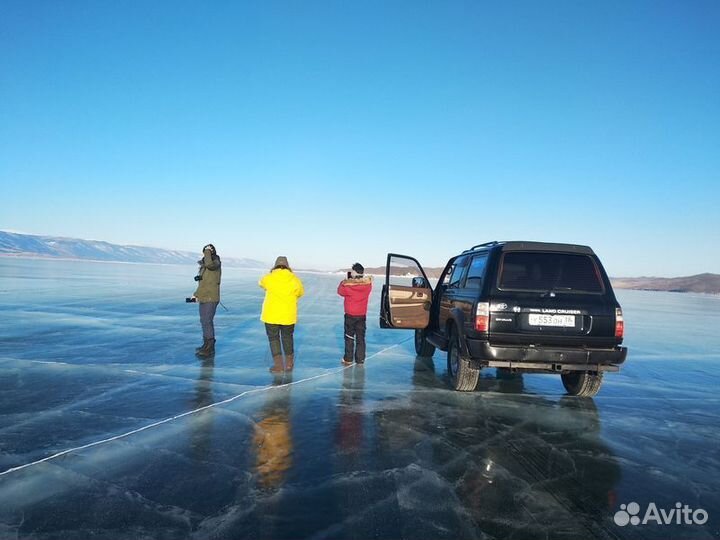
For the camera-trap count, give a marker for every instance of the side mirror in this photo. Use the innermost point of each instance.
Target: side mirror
(420, 283)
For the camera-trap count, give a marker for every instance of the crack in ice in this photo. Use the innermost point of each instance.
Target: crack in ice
(188, 413)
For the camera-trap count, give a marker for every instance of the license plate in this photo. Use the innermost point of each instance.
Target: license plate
(537, 319)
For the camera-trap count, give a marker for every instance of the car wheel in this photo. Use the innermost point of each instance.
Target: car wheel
(582, 383)
(422, 347)
(463, 376)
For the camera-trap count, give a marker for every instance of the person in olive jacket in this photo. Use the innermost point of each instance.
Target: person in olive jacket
(279, 312)
(207, 295)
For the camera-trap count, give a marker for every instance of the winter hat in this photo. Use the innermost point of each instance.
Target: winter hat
(358, 269)
(281, 261)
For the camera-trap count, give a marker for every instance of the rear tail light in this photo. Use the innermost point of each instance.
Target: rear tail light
(619, 324)
(482, 316)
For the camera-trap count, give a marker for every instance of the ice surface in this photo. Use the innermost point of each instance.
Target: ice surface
(90, 352)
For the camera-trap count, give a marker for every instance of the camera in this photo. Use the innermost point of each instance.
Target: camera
(349, 275)
(198, 278)
(190, 300)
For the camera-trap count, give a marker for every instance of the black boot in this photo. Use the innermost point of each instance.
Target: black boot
(203, 346)
(207, 351)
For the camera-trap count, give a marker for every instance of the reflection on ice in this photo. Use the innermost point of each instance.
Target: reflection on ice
(349, 433)
(381, 451)
(526, 466)
(201, 425)
(272, 440)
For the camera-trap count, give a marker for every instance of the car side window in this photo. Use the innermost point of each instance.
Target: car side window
(458, 271)
(476, 273)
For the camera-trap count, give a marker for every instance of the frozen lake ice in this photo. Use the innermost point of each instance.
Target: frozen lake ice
(99, 359)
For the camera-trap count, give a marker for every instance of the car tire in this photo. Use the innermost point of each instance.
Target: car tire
(463, 377)
(422, 347)
(582, 383)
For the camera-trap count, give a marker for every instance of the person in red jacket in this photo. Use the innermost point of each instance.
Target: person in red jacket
(356, 291)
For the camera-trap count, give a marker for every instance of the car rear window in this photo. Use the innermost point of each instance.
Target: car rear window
(537, 271)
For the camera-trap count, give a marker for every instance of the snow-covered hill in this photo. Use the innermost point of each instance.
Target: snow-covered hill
(15, 244)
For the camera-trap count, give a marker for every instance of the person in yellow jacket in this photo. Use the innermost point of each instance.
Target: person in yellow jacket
(279, 312)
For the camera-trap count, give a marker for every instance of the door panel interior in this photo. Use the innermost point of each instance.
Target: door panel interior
(409, 306)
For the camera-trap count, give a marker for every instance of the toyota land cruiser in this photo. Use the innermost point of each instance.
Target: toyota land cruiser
(516, 306)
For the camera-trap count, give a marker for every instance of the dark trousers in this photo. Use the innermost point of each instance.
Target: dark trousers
(277, 333)
(355, 338)
(207, 314)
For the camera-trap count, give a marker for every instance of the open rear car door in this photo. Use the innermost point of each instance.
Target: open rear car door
(406, 295)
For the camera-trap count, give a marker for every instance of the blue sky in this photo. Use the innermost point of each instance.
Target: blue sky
(334, 132)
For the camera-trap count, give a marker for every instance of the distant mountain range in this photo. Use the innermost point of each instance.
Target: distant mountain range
(53, 247)
(701, 283)
(402, 271)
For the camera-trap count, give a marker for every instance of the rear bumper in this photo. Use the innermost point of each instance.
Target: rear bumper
(545, 358)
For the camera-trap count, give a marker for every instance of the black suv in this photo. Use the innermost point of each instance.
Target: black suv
(516, 306)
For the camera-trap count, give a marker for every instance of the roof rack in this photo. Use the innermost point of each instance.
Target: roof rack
(486, 244)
